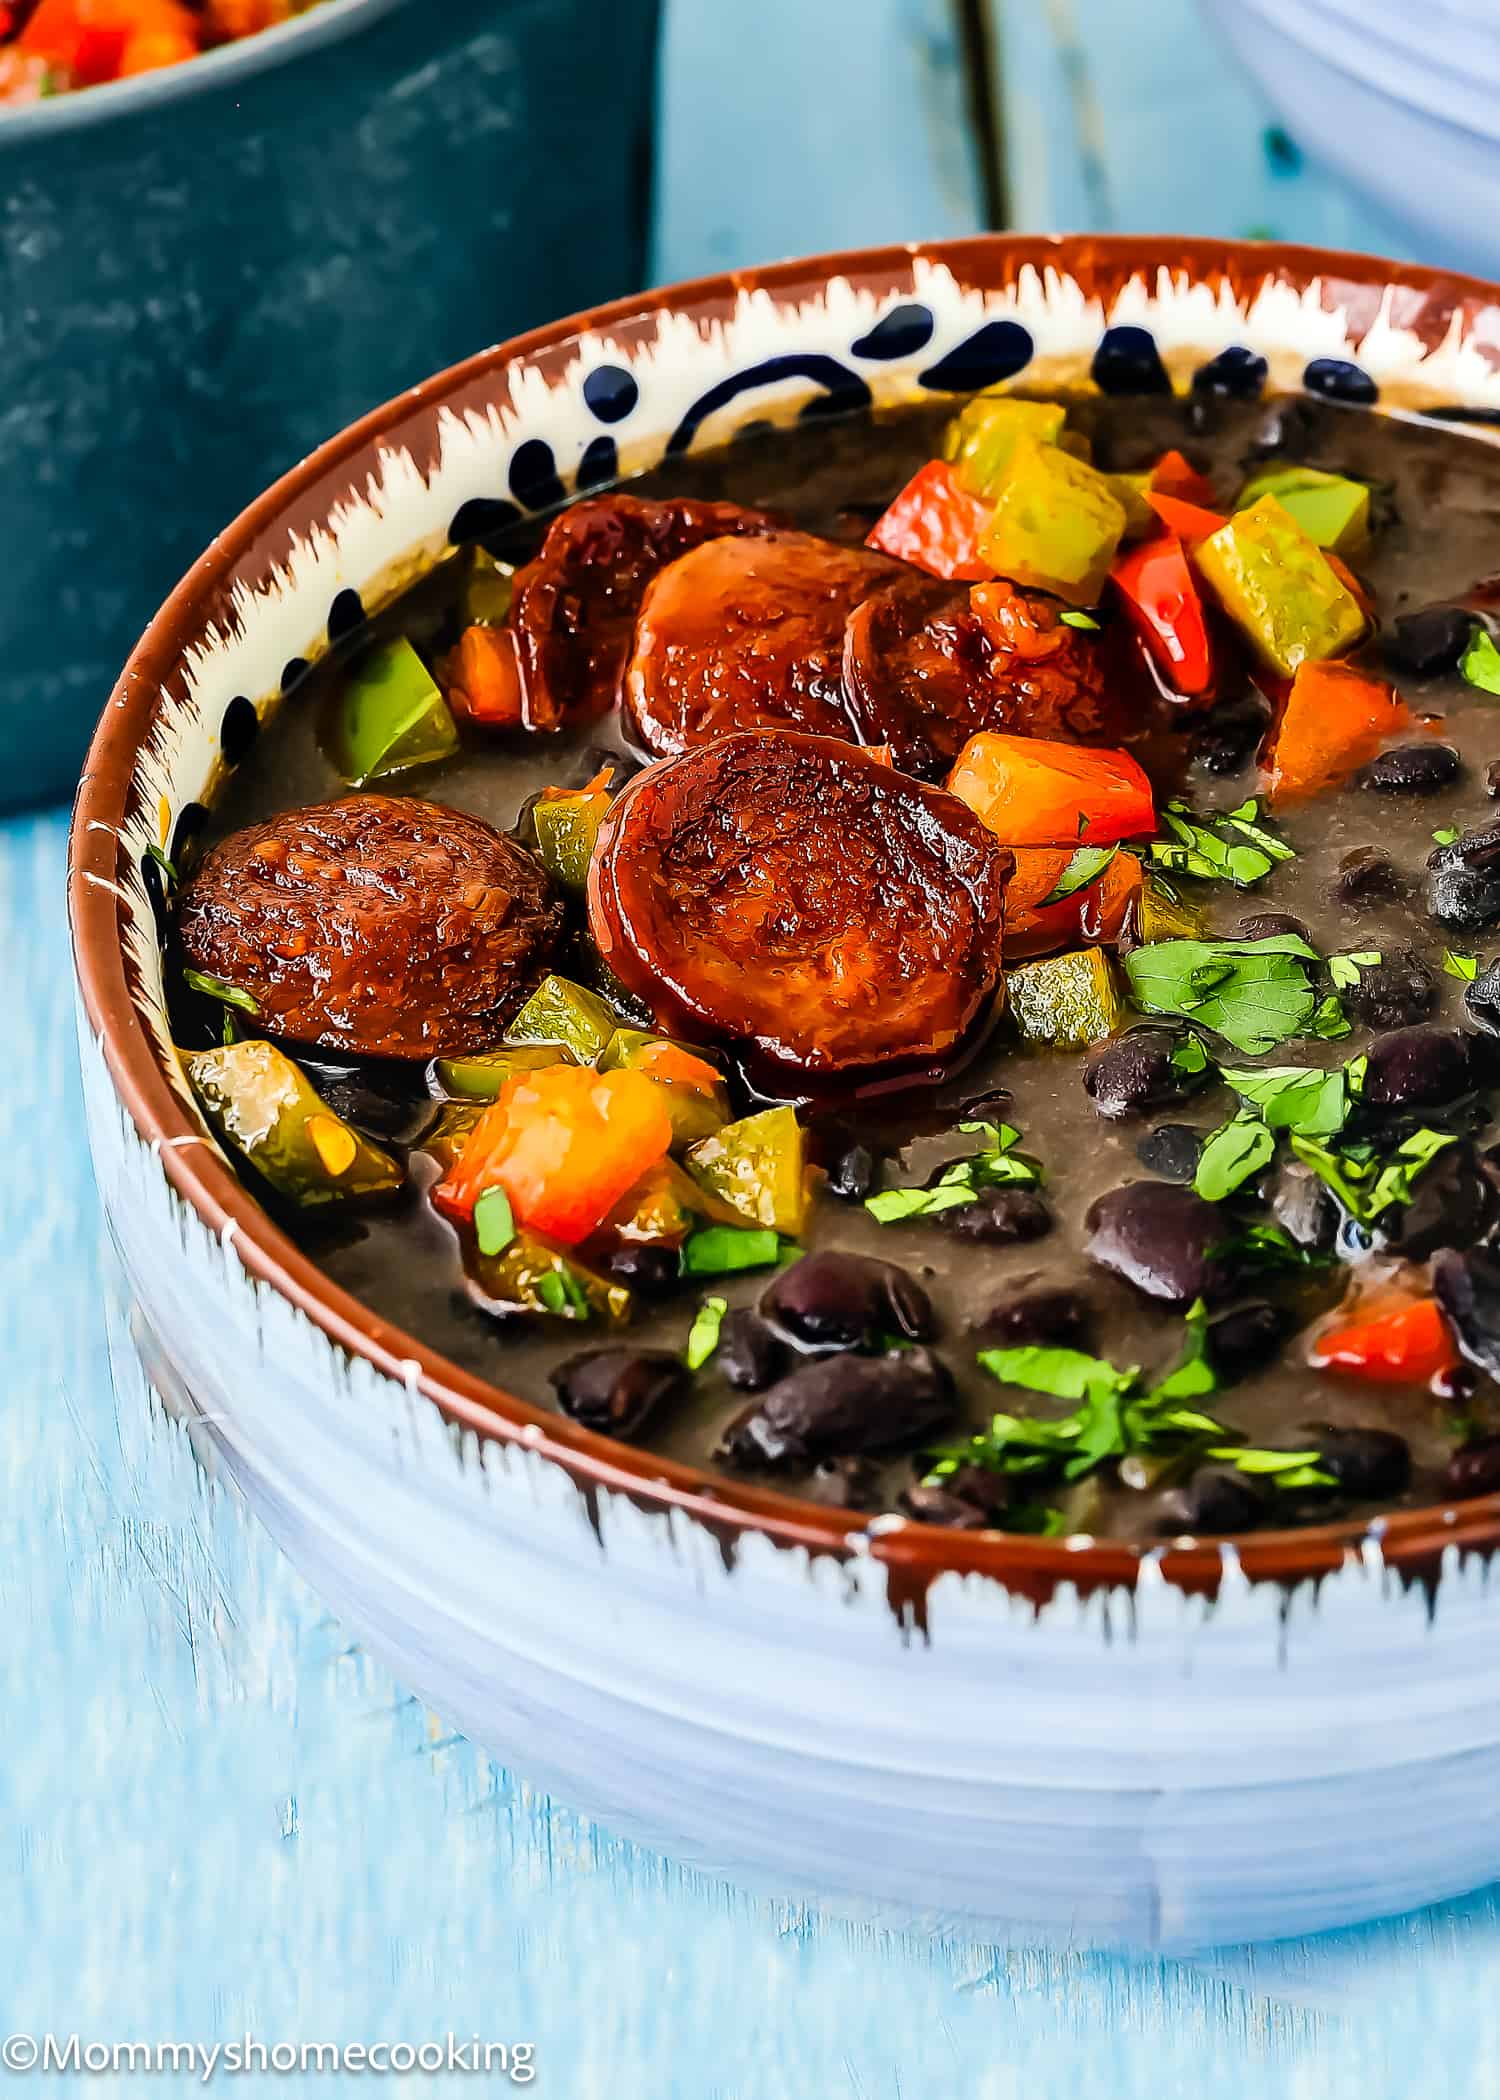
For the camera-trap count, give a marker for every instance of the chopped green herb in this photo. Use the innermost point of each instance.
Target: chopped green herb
(229, 1035)
(1343, 970)
(1189, 1058)
(1293, 1097)
(719, 1250)
(1480, 662)
(1462, 966)
(549, 1288)
(216, 988)
(703, 1335)
(155, 853)
(1284, 1469)
(1354, 1073)
(494, 1221)
(1194, 1375)
(1086, 866)
(1330, 1024)
(1446, 835)
(995, 1164)
(1268, 1246)
(1363, 1183)
(1231, 1155)
(1255, 994)
(1074, 618)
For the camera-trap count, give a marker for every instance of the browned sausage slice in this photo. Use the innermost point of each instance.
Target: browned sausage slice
(573, 608)
(794, 895)
(376, 923)
(926, 665)
(747, 634)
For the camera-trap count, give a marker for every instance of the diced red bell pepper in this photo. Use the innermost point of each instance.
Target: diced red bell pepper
(1088, 917)
(1175, 476)
(481, 678)
(1335, 719)
(1161, 596)
(1190, 521)
(1031, 791)
(935, 524)
(1407, 1344)
(564, 1143)
(87, 40)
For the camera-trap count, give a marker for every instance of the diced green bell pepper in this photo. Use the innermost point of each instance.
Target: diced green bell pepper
(264, 1107)
(982, 436)
(695, 1111)
(560, 1011)
(759, 1167)
(480, 1076)
(1056, 524)
(391, 716)
(1279, 588)
(530, 1275)
(567, 827)
(1066, 1000)
(1331, 509)
(487, 590)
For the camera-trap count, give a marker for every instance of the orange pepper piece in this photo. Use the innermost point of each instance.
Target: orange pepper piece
(935, 524)
(1089, 916)
(1335, 719)
(482, 678)
(1031, 791)
(564, 1143)
(1175, 476)
(1405, 1346)
(1190, 521)
(679, 1067)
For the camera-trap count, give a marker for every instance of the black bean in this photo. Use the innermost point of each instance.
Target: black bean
(847, 1301)
(1453, 1204)
(843, 1483)
(968, 1499)
(749, 1356)
(854, 1174)
(617, 1390)
(1302, 1206)
(1160, 1238)
(1170, 1151)
(1242, 1340)
(1482, 999)
(1429, 642)
(1214, 1501)
(1291, 424)
(1468, 1289)
(1413, 769)
(1463, 887)
(1368, 876)
(1492, 778)
(1395, 991)
(837, 1405)
(1365, 1463)
(1230, 737)
(1421, 1067)
(1270, 926)
(1135, 1073)
(654, 1271)
(1474, 1469)
(1045, 1315)
(999, 1217)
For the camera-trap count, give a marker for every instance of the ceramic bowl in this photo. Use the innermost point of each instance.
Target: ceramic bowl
(971, 1732)
(205, 271)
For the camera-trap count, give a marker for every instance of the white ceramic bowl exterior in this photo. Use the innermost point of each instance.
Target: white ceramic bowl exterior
(1139, 1767)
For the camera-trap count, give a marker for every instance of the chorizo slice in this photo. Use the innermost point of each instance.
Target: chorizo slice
(793, 895)
(573, 608)
(376, 923)
(927, 663)
(747, 634)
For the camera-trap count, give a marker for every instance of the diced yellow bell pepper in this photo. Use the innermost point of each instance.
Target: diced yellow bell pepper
(264, 1107)
(1279, 588)
(560, 1011)
(1056, 524)
(982, 436)
(1065, 1001)
(759, 1167)
(1161, 915)
(1332, 510)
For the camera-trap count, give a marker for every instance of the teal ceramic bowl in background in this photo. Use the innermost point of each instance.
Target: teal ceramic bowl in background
(206, 271)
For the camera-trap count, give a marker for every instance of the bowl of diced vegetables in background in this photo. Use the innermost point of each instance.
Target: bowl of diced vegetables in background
(1401, 101)
(212, 261)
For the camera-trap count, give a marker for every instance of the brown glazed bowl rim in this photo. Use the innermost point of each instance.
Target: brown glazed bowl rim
(1411, 1541)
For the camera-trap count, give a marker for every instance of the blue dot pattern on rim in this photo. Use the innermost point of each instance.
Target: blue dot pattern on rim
(901, 333)
(846, 389)
(1236, 374)
(610, 393)
(1340, 379)
(344, 615)
(191, 819)
(534, 479)
(155, 887)
(293, 671)
(994, 352)
(600, 463)
(240, 726)
(479, 517)
(1127, 361)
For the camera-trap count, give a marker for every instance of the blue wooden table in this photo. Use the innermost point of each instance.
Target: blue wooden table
(215, 1814)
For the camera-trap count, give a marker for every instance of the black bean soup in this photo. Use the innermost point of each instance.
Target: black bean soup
(710, 1103)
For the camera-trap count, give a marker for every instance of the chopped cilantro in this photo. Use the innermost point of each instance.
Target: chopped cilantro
(494, 1221)
(1480, 662)
(1231, 1155)
(1224, 846)
(1189, 1058)
(155, 853)
(1087, 865)
(1072, 618)
(1462, 966)
(1365, 1184)
(719, 1250)
(1293, 1097)
(1255, 994)
(1446, 835)
(994, 1164)
(1343, 970)
(216, 988)
(703, 1335)
(1284, 1469)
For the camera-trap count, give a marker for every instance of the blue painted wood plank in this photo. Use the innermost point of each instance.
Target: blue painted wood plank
(1131, 116)
(791, 126)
